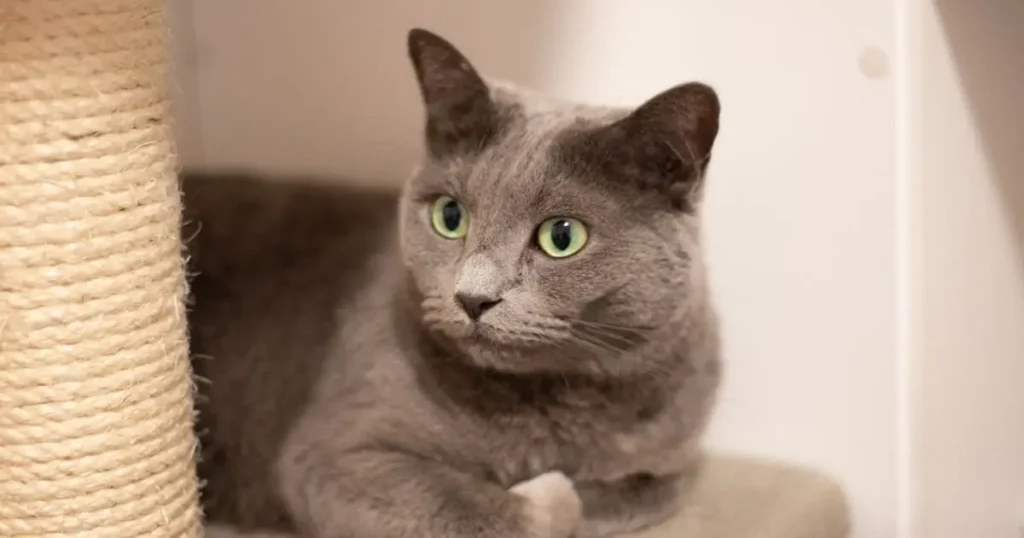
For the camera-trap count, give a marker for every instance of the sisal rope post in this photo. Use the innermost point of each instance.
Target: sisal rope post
(95, 390)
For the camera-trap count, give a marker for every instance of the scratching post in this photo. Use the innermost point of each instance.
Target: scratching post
(95, 392)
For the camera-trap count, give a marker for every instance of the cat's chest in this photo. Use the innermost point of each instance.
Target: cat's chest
(584, 446)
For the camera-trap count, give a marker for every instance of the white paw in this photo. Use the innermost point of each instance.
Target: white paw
(553, 508)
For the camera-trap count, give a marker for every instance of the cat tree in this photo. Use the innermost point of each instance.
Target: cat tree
(95, 391)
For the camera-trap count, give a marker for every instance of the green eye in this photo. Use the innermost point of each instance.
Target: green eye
(561, 237)
(448, 218)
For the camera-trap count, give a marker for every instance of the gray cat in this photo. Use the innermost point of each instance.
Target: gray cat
(523, 346)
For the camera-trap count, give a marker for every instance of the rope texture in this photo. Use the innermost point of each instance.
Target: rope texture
(95, 385)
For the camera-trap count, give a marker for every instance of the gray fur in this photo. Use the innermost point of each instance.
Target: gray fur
(348, 394)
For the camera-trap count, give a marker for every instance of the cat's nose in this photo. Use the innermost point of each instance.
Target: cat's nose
(475, 304)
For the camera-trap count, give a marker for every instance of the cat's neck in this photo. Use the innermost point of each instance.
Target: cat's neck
(490, 393)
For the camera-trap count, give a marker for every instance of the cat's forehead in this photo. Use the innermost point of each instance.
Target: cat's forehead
(526, 163)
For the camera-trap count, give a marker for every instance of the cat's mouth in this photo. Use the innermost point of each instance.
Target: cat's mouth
(484, 337)
(487, 336)
(480, 335)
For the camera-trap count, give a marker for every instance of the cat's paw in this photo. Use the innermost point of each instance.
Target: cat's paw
(553, 507)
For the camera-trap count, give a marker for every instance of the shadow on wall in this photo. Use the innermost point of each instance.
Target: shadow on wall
(331, 82)
(986, 42)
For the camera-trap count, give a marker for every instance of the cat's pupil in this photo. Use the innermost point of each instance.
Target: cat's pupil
(561, 234)
(451, 215)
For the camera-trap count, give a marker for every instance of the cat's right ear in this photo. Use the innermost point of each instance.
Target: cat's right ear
(665, 143)
(461, 116)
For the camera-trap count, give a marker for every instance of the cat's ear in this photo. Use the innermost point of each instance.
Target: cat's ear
(666, 142)
(461, 116)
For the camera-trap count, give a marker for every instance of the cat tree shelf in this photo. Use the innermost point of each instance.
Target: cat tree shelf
(737, 497)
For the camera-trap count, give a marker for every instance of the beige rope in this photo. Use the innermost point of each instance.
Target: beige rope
(95, 392)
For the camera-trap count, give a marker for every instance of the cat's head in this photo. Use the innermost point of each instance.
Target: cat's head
(552, 237)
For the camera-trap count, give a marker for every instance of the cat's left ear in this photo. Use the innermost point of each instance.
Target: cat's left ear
(666, 142)
(461, 116)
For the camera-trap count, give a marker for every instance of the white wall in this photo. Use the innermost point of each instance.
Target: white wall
(965, 216)
(817, 260)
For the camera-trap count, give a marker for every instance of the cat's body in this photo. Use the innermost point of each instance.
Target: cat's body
(357, 387)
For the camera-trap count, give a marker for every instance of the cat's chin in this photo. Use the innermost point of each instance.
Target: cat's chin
(481, 349)
(518, 359)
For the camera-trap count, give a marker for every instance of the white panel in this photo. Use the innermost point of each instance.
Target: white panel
(966, 166)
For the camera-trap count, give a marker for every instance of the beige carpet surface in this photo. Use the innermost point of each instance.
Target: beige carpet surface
(746, 498)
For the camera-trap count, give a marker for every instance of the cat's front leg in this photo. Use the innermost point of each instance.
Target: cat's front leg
(390, 494)
(631, 504)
